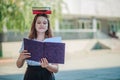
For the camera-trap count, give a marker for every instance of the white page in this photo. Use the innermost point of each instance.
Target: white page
(53, 39)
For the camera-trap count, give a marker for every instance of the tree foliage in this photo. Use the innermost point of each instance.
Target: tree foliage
(17, 14)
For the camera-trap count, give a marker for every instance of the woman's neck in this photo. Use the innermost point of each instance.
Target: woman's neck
(40, 36)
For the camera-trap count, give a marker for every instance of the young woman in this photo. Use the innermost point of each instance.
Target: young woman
(42, 70)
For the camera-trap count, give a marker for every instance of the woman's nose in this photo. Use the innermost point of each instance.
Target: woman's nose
(41, 24)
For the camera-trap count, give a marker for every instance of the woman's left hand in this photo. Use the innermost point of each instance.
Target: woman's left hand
(44, 63)
(51, 67)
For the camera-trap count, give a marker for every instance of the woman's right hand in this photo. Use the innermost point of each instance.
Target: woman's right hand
(24, 55)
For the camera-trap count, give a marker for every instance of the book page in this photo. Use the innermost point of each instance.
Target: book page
(53, 39)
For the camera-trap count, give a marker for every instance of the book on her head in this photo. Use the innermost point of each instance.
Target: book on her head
(41, 10)
(53, 51)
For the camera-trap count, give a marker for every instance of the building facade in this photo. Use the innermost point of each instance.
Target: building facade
(90, 19)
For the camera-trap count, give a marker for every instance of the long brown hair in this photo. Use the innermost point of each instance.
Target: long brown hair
(33, 32)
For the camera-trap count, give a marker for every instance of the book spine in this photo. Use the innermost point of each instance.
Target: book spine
(41, 12)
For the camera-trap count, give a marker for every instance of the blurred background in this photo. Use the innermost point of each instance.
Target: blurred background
(89, 28)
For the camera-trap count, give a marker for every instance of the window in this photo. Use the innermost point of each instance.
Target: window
(75, 24)
(83, 26)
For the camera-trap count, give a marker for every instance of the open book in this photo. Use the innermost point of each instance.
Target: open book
(53, 51)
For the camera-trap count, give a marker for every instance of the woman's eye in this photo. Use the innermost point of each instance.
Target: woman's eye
(38, 22)
(44, 23)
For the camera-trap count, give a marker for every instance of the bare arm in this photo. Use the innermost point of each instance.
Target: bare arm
(21, 59)
(20, 62)
(53, 68)
(50, 67)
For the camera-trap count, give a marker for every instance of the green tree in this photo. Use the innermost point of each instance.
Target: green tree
(16, 15)
(11, 16)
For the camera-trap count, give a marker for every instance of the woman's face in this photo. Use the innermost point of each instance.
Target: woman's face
(41, 24)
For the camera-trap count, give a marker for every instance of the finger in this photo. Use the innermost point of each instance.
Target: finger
(41, 60)
(46, 61)
(27, 56)
(24, 51)
(27, 53)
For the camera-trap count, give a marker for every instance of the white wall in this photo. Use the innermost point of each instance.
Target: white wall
(10, 49)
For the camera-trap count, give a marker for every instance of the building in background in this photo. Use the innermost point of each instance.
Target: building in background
(90, 19)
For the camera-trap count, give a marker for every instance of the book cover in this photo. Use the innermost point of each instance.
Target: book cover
(53, 51)
(40, 8)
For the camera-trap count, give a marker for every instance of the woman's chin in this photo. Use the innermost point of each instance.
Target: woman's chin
(41, 31)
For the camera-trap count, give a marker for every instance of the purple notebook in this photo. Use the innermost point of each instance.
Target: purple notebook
(54, 52)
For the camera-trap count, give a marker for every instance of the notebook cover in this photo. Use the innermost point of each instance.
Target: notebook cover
(54, 52)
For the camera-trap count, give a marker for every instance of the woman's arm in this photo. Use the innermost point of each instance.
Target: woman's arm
(21, 59)
(50, 67)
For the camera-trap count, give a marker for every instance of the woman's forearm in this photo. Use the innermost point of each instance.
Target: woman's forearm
(20, 63)
(52, 68)
(21, 59)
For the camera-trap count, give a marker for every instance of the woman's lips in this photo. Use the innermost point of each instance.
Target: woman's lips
(41, 28)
